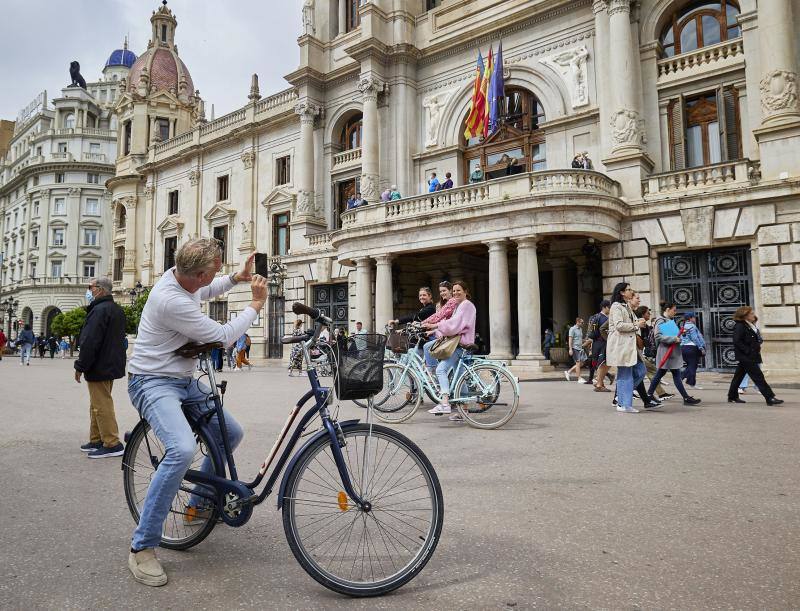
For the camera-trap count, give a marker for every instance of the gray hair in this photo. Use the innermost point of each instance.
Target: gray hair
(104, 284)
(197, 255)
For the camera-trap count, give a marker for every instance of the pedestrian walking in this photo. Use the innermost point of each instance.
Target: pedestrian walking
(649, 350)
(64, 347)
(41, 345)
(576, 350)
(101, 361)
(747, 342)
(52, 346)
(3, 342)
(668, 337)
(241, 354)
(359, 341)
(25, 341)
(621, 350)
(598, 364)
(549, 342)
(693, 348)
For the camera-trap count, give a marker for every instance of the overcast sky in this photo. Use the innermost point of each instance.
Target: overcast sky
(221, 42)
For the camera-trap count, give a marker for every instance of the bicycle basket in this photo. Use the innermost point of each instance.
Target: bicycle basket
(397, 342)
(359, 366)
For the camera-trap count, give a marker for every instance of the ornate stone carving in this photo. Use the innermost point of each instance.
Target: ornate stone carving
(571, 65)
(130, 259)
(255, 94)
(194, 177)
(619, 6)
(370, 87)
(626, 128)
(307, 110)
(107, 195)
(129, 202)
(433, 105)
(149, 192)
(74, 191)
(248, 158)
(779, 92)
(599, 6)
(308, 17)
(247, 235)
(369, 188)
(304, 204)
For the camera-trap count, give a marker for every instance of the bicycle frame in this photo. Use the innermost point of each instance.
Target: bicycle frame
(245, 491)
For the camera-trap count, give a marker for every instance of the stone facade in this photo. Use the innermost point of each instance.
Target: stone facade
(692, 151)
(55, 212)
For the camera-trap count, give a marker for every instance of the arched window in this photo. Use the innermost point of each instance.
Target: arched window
(69, 121)
(700, 24)
(517, 146)
(350, 138)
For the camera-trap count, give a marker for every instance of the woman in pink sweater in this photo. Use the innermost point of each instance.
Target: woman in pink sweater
(461, 323)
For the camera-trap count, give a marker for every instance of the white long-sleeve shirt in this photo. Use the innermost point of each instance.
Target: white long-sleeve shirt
(172, 317)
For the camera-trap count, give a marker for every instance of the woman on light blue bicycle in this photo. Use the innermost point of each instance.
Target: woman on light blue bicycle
(461, 323)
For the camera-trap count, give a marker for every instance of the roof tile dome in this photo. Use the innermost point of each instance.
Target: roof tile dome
(164, 67)
(121, 57)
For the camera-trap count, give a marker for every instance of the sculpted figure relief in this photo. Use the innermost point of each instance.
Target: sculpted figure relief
(433, 105)
(626, 128)
(571, 65)
(308, 17)
(779, 91)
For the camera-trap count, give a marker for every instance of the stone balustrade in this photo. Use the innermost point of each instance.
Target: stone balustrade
(719, 176)
(319, 241)
(348, 157)
(493, 192)
(97, 157)
(282, 102)
(46, 281)
(688, 64)
(119, 232)
(61, 156)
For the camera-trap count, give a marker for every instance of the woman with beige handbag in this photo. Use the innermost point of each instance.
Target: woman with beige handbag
(453, 334)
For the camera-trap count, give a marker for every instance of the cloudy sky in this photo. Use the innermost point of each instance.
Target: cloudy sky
(221, 42)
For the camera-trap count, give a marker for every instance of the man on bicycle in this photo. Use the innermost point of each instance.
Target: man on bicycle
(161, 383)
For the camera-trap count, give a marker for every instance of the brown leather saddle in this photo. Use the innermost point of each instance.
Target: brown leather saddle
(193, 350)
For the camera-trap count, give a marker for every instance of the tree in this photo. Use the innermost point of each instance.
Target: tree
(133, 313)
(69, 323)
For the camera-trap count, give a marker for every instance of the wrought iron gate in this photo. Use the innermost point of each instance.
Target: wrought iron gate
(276, 327)
(712, 283)
(331, 299)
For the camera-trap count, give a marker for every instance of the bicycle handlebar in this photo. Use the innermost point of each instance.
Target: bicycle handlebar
(314, 313)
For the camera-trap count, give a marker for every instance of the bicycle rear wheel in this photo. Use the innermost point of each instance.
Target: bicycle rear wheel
(487, 396)
(350, 550)
(185, 526)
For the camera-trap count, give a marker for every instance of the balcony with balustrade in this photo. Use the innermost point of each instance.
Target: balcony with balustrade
(555, 202)
(715, 178)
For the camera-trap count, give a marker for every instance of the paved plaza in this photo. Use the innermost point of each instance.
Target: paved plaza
(571, 505)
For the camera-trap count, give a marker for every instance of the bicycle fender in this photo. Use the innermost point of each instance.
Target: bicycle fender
(290, 466)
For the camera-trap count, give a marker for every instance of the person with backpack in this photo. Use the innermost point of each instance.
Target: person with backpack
(599, 342)
(667, 339)
(26, 341)
(649, 351)
(693, 348)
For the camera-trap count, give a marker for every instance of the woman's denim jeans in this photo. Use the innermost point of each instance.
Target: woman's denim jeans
(162, 402)
(25, 353)
(628, 378)
(676, 379)
(442, 367)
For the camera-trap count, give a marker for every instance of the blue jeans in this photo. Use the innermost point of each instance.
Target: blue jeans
(692, 356)
(676, 379)
(442, 367)
(629, 378)
(162, 402)
(25, 353)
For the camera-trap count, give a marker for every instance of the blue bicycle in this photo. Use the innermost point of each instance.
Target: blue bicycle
(362, 505)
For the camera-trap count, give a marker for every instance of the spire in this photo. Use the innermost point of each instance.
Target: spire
(125, 44)
(255, 95)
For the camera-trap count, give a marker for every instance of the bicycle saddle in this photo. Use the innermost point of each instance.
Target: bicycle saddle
(192, 350)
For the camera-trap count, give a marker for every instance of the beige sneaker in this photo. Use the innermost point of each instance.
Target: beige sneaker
(146, 568)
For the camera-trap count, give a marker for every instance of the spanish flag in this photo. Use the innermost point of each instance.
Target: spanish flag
(487, 78)
(477, 111)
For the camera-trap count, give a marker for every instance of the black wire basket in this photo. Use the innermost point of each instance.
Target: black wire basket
(358, 373)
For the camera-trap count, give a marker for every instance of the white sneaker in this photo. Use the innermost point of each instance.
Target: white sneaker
(582, 381)
(566, 375)
(440, 409)
(456, 417)
(627, 410)
(742, 391)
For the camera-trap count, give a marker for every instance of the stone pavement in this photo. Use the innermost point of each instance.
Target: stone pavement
(571, 505)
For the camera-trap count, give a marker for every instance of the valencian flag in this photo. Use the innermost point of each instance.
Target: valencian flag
(487, 77)
(496, 94)
(477, 111)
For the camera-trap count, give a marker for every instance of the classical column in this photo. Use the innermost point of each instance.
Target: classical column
(129, 263)
(364, 291)
(304, 176)
(529, 313)
(342, 16)
(561, 314)
(384, 311)
(625, 120)
(602, 69)
(370, 188)
(499, 300)
(777, 31)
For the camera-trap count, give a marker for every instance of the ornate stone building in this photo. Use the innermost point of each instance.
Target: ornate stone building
(55, 212)
(689, 111)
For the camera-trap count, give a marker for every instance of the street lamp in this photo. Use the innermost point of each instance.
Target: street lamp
(277, 274)
(135, 292)
(9, 305)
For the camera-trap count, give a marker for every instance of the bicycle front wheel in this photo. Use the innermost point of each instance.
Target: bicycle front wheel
(400, 396)
(487, 396)
(352, 550)
(190, 520)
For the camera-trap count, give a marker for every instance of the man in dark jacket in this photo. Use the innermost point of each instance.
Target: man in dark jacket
(102, 360)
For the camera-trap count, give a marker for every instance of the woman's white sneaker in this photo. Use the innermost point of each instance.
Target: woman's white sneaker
(627, 410)
(440, 409)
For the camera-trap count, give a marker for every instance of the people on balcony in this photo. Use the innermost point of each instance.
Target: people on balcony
(433, 183)
(581, 161)
(477, 175)
(386, 195)
(394, 194)
(448, 183)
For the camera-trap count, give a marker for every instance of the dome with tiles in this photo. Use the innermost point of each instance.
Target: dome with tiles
(121, 57)
(164, 68)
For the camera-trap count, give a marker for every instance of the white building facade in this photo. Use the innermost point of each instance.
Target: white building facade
(55, 212)
(688, 110)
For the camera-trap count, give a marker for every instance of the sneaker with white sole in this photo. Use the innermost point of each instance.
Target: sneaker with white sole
(582, 381)
(104, 452)
(91, 446)
(455, 417)
(440, 409)
(627, 410)
(566, 375)
(742, 391)
(146, 568)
